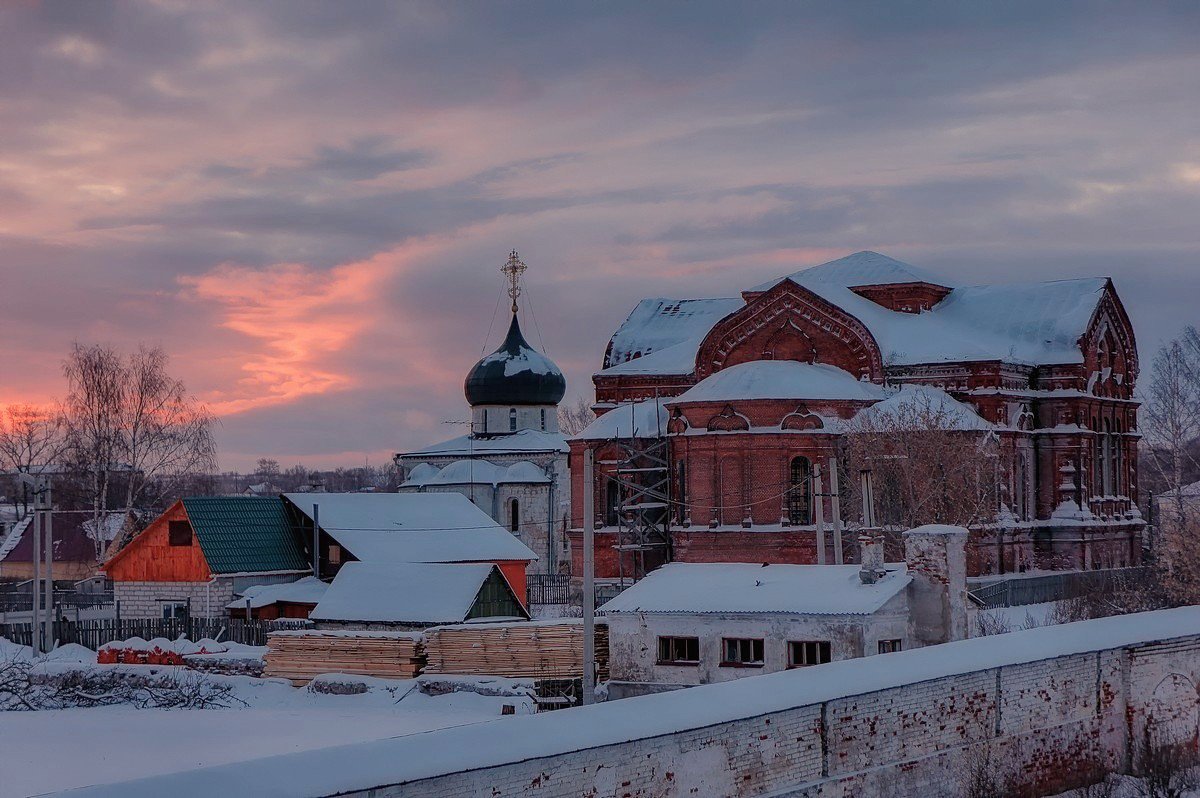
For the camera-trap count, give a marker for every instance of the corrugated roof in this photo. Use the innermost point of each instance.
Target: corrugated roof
(245, 534)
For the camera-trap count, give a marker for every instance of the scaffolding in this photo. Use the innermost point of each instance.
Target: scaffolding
(642, 474)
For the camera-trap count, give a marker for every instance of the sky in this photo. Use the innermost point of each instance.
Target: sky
(307, 203)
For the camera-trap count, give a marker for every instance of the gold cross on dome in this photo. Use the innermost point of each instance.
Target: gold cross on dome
(513, 271)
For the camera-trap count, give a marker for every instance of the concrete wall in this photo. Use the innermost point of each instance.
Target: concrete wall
(633, 642)
(145, 599)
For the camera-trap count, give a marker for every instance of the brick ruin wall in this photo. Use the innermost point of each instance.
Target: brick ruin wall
(1046, 722)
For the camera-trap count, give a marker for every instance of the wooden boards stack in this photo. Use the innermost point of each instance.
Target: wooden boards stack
(537, 649)
(300, 656)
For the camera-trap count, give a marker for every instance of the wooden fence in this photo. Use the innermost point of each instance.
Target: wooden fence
(548, 589)
(1017, 592)
(96, 633)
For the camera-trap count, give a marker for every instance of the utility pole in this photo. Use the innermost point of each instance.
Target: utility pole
(48, 531)
(35, 592)
(316, 544)
(589, 579)
(835, 501)
(819, 510)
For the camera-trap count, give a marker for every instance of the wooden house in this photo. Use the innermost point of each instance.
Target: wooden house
(74, 549)
(201, 552)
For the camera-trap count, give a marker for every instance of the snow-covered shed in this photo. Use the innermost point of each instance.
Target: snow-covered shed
(408, 528)
(698, 623)
(370, 595)
(283, 600)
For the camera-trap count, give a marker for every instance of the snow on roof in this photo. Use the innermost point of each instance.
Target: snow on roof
(402, 592)
(1187, 491)
(780, 379)
(110, 525)
(658, 324)
(861, 268)
(526, 440)
(1034, 323)
(484, 472)
(752, 587)
(308, 590)
(421, 473)
(628, 419)
(412, 527)
(14, 536)
(922, 406)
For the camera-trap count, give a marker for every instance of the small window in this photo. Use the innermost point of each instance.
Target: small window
(742, 652)
(335, 554)
(889, 646)
(514, 517)
(512, 419)
(179, 533)
(802, 653)
(174, 609)
(678, 650)
(543, 419)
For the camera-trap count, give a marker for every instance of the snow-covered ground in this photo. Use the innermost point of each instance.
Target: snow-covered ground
(53, 750)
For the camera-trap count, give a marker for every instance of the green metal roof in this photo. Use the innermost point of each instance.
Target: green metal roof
(245, 534)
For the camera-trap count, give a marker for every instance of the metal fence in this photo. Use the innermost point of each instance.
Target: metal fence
(548, 589)
(1017, 592)
(96, 633)
(18, 601)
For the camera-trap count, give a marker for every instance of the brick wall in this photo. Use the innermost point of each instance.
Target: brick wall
(145, 599)
(1044, 720)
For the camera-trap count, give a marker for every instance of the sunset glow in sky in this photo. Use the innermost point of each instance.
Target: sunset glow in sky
(307, 204)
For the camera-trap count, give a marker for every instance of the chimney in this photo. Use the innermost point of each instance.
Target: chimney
(870, 557)
(937, 596)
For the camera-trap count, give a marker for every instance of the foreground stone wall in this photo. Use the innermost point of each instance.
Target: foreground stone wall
(1047, 721)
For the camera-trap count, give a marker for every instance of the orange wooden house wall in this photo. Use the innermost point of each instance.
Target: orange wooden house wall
(150, 557)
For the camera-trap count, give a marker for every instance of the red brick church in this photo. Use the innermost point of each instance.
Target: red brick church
(728, 404)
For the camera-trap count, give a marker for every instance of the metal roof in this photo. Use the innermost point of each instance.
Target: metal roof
(245, 534)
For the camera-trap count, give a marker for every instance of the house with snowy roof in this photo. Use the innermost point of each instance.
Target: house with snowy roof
(734, 402)
(387, 596)
(388, 528)
(512, 464)
(686, 624)
(74, 549)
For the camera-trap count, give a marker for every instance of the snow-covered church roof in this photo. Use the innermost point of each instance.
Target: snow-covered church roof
(1035, 323)
(780, 379)
(476, 472)
(520, 442)
(627, 420)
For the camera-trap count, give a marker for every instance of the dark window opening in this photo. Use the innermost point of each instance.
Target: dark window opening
(514, 523)
(179, 533)
(512, 419)
(799, 491)
(543, 419)
(890, 646)
(174, 609)
(741, 652)
(612, 503)
(802, 653)
(678, 650)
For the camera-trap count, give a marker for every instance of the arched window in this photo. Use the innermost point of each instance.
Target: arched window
(1107, 458)
(514, 517)
(612, 502)
(512, 419)
(681, 490)
(799, 498)
(543, 419)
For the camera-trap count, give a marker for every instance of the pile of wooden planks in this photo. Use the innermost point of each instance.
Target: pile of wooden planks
(302, 655)
(533, 649)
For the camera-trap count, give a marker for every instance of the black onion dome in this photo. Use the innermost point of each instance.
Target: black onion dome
(515, 374)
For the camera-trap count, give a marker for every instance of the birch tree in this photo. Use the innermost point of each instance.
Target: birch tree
(31, 438)
(1171, 411)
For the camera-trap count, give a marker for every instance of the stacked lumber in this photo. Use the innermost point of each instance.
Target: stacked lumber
(303, 655)
(531, 649)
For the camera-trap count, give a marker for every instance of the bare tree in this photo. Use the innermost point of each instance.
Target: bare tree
(1171, 412)
(129, 416)
(267, 469)
(30, 438)
(573, 418)
(931, 462)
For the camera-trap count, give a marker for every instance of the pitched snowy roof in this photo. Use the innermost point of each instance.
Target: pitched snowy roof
(753, 587)
(412, 527)
(658, 324)
(308, 590)
(922, 405)
(402, 592)
(861, 268)
(628, 419)
(526, 440)
(780, 379)
(1034, 323)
